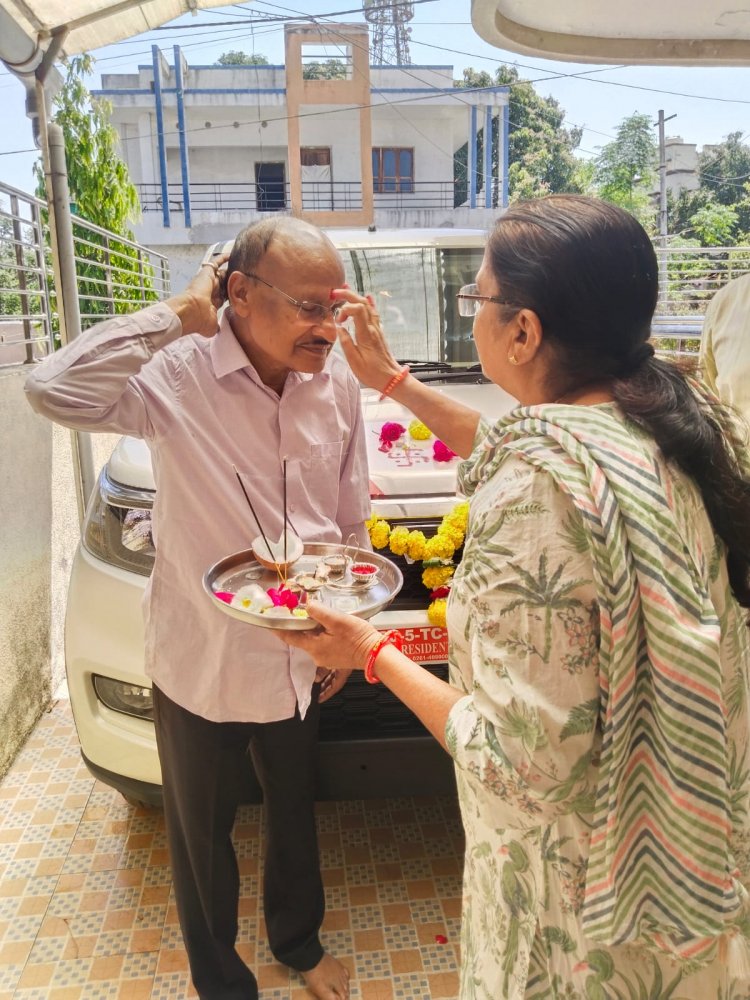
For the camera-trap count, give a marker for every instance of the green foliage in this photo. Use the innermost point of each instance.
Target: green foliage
(236, 57)
(715, 224)
(742, 208)
(725, 169)
(10, 299)
(100, 185)
(540, 150)
(101, 192)
(685, 274)
(331, 69)
(681, 208)
(626, 168)
(718, 212)
(583, 181)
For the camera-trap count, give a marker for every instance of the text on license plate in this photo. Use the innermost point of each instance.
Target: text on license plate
(426, 644)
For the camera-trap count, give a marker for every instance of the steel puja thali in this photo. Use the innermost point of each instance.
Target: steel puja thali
(343, 577)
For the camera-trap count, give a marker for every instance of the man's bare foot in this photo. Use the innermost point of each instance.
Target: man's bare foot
(329, 980)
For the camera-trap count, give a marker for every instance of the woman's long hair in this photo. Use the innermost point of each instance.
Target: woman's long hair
(589, 271)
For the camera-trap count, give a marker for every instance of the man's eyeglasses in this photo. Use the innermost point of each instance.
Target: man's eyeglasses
(470, 301)
(312, 312)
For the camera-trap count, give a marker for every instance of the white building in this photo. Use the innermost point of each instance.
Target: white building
(681, 160)
(211, 148)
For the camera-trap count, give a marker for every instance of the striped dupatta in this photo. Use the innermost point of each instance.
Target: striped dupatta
(660, 870)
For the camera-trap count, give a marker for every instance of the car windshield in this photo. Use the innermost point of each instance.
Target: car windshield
(415, 291)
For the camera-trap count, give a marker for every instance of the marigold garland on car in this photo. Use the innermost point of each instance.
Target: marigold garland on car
(436, 552)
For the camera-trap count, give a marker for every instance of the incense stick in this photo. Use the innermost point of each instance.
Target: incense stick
(285, 520)
(252, 510)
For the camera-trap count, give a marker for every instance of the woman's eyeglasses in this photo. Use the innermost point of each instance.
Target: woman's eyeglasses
(470, 301)
(312, 312)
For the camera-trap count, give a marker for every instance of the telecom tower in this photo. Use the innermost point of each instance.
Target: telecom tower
(390, 31)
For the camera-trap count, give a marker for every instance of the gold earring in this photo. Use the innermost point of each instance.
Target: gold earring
(513, 359)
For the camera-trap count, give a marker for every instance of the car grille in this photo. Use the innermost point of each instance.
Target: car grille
(362, 711)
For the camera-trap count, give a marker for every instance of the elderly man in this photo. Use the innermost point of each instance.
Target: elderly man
(725, 344)
(259, 390)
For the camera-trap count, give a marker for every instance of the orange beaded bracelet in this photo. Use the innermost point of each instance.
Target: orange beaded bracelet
(398, 377)
(389, 639)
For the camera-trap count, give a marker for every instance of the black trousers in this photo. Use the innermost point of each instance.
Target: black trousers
(202, 766)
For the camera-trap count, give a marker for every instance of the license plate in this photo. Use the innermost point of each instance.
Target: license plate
(425, 644)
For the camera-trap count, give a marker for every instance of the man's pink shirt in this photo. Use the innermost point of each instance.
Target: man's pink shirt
(202, 408)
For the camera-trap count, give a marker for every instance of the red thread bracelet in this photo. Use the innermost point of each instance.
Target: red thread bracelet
(398, 377)
(389, 639)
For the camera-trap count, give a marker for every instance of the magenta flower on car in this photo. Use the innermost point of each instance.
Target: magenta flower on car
(390, 432)
(442, 453)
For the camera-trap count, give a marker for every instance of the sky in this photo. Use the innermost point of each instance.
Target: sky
(708, 103)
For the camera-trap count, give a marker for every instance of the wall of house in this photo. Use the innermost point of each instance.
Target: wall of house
(681, 159)
(414, 76)
(25, 591)
(40, 531)
(237, 117)
(682, 166)
(227, 136)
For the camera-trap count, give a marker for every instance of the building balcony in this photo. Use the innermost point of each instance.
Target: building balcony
(317, 196)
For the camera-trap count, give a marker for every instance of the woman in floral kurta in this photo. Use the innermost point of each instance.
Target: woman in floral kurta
(524, 625)
(597, 709)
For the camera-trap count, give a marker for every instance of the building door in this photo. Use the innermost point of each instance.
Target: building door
(270, 187)
(317, 178)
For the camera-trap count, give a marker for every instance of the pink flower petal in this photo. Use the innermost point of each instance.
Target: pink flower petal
(442, 453)
(224, 595)
(281, 597)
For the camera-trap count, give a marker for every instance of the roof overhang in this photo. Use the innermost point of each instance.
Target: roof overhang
(669, 32)
(29, 29)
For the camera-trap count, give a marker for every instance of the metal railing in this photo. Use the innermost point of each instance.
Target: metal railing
(115, 275)
(695, 274)
(417, 194)
(275, 196)
(26, 321)
(224, 196)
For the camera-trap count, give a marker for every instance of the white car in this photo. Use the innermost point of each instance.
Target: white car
(370, 744)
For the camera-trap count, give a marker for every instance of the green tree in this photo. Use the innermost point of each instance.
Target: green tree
(681, 208)
(331, 69)
(99, 181)
(626, 167)
(112, 276)
(10, 300)
(715, 225)
(235, 57)
(724, 169)
(742, 208)
(540, 149)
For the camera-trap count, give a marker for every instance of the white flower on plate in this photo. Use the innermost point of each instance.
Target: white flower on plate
(251, 598)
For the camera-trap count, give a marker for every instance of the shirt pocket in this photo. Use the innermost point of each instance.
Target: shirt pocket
(321, 477)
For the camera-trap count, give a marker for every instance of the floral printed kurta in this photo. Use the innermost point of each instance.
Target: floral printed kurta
(523, 621)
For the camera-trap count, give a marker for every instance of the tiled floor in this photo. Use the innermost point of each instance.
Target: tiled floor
(87, 911)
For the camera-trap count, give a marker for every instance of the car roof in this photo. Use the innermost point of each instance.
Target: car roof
(364, 239)
(353, 239)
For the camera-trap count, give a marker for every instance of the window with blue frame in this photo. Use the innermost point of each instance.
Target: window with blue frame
(392, 169)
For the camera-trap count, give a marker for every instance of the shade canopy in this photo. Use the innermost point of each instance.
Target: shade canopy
(669, 32)
(28, 27)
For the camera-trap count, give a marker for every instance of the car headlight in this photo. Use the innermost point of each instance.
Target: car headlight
(129, 699)
(118, 526)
